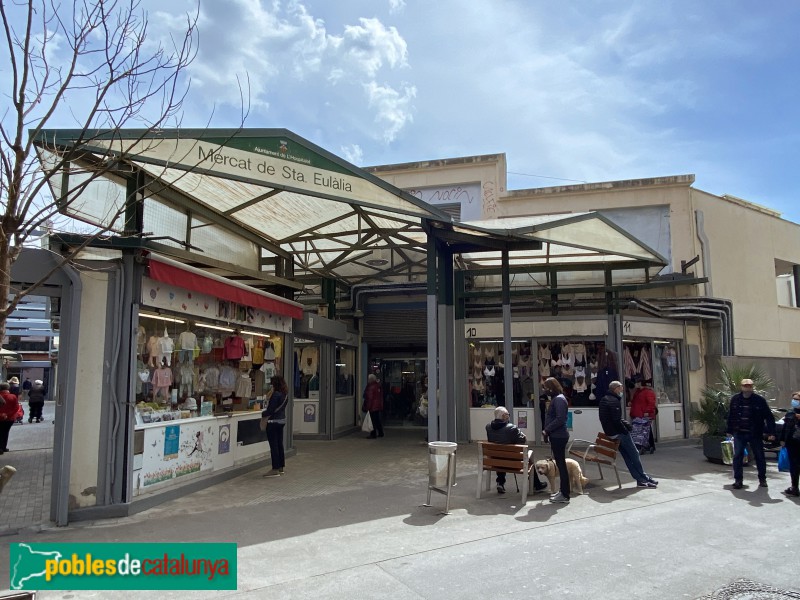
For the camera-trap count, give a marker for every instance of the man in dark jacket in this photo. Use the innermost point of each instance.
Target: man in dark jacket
(610, 412)
(749, 414)
(500, 431)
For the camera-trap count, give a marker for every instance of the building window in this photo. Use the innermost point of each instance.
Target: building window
(786, 275)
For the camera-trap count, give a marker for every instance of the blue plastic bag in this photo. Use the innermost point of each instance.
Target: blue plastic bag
(783, 460)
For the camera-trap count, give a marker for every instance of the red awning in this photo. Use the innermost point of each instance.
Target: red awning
(189, 280)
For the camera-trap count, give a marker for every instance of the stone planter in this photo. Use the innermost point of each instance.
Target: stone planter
(712, 449)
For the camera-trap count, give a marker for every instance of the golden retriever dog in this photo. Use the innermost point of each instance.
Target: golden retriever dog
(547, 468)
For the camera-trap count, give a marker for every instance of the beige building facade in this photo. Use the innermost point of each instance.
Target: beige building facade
(717, 247)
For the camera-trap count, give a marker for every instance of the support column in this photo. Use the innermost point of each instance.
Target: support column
(462, 397)
(508, 367)
(433, 336)
(446, 316)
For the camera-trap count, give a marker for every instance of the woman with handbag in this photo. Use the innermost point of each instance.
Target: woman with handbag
(275, 415)
(373, 404)
(790, 439)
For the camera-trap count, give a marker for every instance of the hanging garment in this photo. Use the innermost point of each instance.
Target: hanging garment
(153, 350)
(227, 379)
(544, 368)
(165, 348)
(187, 340)
(645, 367)
(258, 355)
(208, 344)
(141, 339)
(628, 364)
(244, 386)
(186, 373)
(234, 348)
(269, 351)
(524, 364)
(212, 378)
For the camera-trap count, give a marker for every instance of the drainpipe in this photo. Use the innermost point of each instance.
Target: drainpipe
(704, 249)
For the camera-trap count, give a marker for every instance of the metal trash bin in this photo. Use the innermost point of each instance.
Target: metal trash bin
(441, 469)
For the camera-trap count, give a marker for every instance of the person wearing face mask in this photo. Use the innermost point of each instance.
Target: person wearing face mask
(615, 427)
(748, 416)
(790, 437)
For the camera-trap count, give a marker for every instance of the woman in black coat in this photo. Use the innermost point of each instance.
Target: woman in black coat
(275, 413)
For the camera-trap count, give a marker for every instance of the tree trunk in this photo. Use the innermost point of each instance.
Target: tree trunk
(5, 286)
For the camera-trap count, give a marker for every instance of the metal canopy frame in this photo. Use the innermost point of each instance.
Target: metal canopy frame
(363, 231)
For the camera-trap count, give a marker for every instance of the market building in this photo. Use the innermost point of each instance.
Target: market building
(235, 255)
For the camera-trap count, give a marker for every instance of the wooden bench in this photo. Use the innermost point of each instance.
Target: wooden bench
(505, 458)
(603, 451)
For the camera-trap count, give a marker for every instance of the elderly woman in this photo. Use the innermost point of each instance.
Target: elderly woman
(373, 404)
(9, 405)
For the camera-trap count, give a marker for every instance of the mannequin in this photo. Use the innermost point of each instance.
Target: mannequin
(234, 347)
(187, 342)
(165, 346)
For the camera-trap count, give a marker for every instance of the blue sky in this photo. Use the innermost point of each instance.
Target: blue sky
(584, 91)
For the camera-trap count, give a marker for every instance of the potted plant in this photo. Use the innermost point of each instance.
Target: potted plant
(715, 401)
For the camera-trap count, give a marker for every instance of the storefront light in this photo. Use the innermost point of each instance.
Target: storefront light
(160, 318)
(209, 326)
(259, 334)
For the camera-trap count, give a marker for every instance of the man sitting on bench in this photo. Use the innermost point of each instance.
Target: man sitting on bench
(500, 431)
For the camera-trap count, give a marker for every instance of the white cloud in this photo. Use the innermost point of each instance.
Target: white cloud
(353, 153)
(393, 107)
(396, 6)
(294, 62)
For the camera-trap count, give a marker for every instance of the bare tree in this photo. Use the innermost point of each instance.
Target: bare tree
(92, 60)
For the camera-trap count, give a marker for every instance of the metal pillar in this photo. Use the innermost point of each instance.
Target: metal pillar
(433, 336)
(446, 316)
(508, 367)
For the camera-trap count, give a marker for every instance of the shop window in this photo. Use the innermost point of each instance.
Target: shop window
(487, 371)
(576, 365)
(306, 379)
(657, 362)
(404, 384)
(345, 366)
(188, 368)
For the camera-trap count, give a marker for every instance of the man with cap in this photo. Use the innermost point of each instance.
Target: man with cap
(748, 416)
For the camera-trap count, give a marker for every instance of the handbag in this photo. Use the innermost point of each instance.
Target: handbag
(262, 424)
(783, 460)
(366, 426)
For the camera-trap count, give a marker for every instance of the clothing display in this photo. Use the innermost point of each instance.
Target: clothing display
(204, 365)
(234, 348)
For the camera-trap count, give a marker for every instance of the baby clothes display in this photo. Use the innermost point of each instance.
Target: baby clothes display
(162, 380)
(153, 350)
(244, 386)
(234, 347)
(165, 348)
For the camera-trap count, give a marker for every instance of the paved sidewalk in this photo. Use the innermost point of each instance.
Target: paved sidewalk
(25, 501)
(346, 522)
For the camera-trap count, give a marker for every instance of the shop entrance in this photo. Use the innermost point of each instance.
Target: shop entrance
(404, 384)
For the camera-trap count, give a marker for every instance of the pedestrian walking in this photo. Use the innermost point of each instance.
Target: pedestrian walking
(275, 413)
(9, 405)
(790, 439)
(617, 428)
(555, 431)
(749, 415)
(36, 398)
(373, 404)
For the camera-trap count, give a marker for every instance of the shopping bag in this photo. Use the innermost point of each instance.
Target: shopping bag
(727, 451)
(783, 460)
(366, 426)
